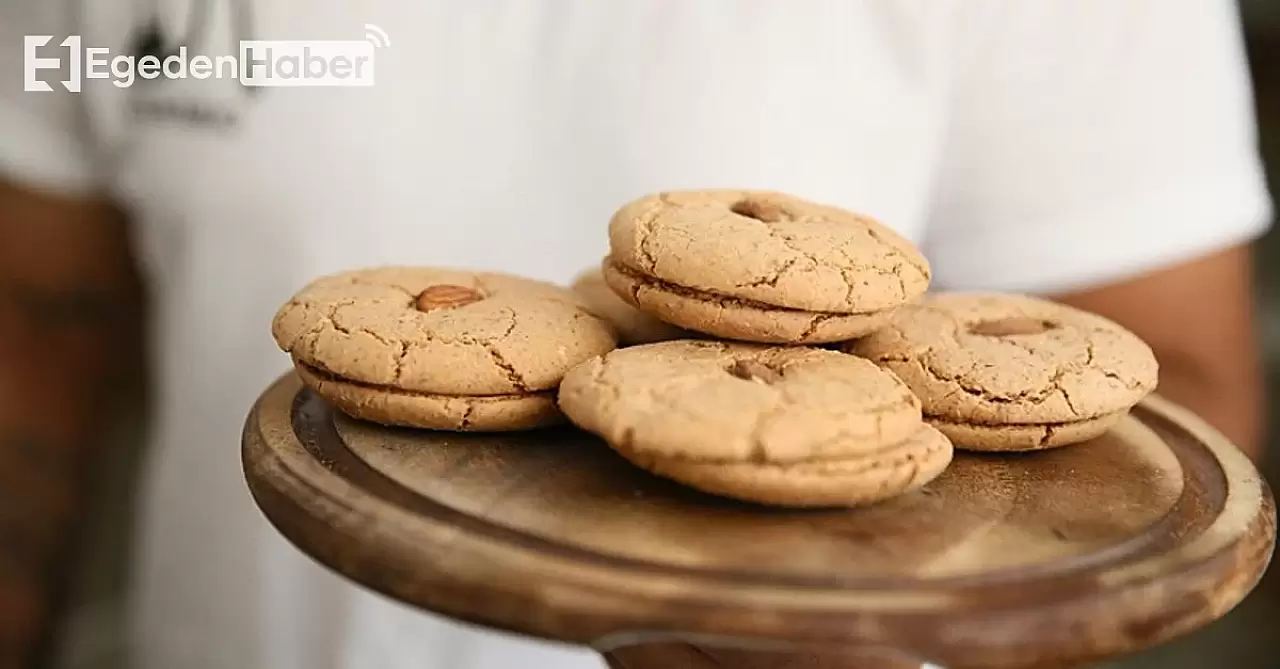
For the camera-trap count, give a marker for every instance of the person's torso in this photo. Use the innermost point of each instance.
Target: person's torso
(500, 134)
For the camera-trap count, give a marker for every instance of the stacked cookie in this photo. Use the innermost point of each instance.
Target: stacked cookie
(759, 416)
(1013, 373)
(790, 426)
(719, 300)
(760, 267)
(439, 349)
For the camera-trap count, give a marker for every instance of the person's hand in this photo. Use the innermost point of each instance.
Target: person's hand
(684, 656)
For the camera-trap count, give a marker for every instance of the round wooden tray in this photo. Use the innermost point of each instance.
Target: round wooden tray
(1050, 558)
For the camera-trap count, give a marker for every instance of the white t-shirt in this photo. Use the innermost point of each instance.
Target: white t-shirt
(1034, 146)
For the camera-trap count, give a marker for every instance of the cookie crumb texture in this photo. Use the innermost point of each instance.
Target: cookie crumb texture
(480, 334)
(769, 248)
(992, 360)
(728, 402)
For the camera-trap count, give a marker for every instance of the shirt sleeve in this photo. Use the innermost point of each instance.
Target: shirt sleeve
(43, 135)
(1090, 141)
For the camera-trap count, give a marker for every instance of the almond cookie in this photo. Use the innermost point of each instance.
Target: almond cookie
(439, 348)
(1011, 372)
(758, 423)
(632, 325)
(760, 266)
(850, 481)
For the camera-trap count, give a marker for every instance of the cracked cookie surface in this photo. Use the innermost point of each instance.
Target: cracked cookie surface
(439, 348)
(518, 336)
(769, 248)
(632, 325)
(990, 359)
(711, 401)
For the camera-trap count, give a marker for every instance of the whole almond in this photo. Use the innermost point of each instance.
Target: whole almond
(447, 297)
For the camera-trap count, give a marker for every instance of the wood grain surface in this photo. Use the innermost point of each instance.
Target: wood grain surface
(1028, 560)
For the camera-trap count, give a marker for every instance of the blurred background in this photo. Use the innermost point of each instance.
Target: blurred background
(1248, 638)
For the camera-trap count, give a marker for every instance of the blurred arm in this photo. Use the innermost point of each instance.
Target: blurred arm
(68, 305)
(1198, 316)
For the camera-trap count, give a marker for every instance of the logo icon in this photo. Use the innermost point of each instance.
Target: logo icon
(31, 63)
(376, 36)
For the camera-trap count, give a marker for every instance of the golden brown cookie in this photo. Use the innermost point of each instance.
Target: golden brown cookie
(738, 319)
(759, 423)
(760, 266)
(632, 325)
(1012, 372)
(721, 401)
(851, 481)
(439, 348)
(1025, 437)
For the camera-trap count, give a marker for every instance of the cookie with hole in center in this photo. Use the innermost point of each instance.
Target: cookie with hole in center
(760, 266)
(632, 326)
(779, 425)
(439, 348)
(1012, 372)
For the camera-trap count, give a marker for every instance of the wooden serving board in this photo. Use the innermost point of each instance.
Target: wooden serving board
(1043, 559)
